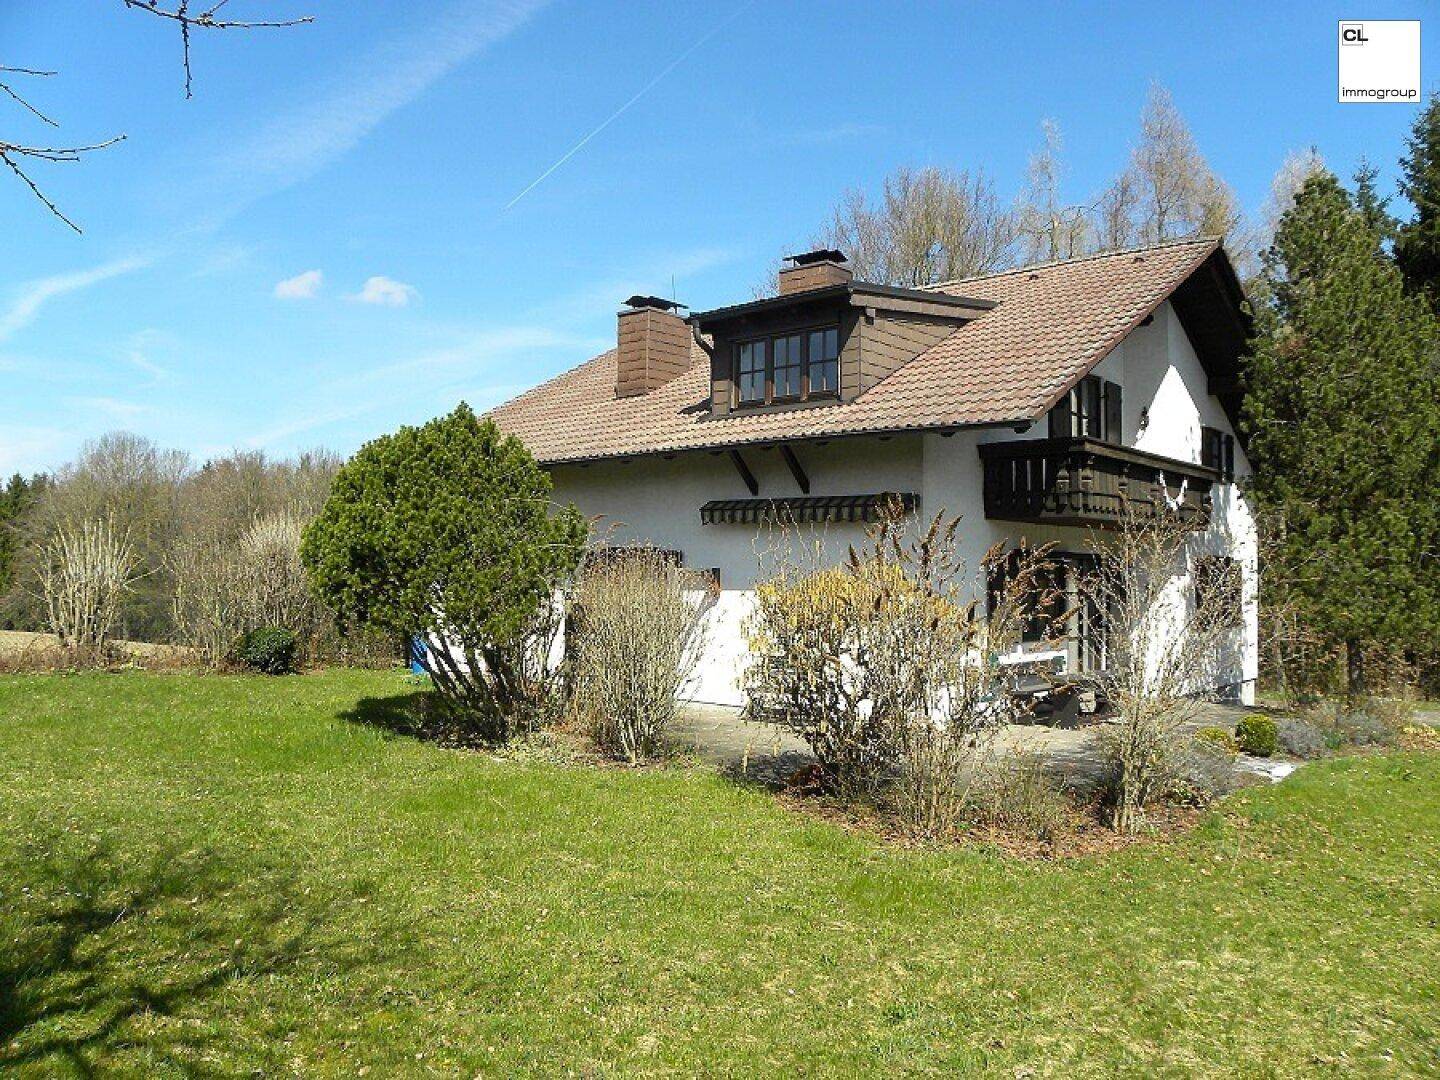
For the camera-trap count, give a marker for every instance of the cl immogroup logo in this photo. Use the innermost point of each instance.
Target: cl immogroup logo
(1352, 33)
(1380, 61)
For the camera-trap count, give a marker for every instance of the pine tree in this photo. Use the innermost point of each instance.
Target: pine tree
(1373, 209)
(1343, 413)
(1417, 244)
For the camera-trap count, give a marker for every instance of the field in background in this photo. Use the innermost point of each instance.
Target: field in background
(217, 873)
(14, 643)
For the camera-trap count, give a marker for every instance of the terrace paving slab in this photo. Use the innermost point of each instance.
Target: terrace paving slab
(766, 754)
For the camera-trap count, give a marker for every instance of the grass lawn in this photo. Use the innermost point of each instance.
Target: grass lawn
(222, 874)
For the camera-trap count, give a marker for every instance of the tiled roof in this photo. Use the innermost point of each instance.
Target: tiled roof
(1052, 323)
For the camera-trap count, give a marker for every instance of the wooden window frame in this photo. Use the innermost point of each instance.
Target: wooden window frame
(767, 344)
(1070, 413)
(1217, 451)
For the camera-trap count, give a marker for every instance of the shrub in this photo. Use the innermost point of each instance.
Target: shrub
(446, 532)
(1257, 735)
(86, 571)
(1198, 771)
(269, 650)
(1219, 737)
(1358, 725)
(633, 641)
(1018, 793)
(1299, 739)
(888, 670)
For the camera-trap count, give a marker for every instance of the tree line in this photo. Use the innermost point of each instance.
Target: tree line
(933, 224)
(213, 548)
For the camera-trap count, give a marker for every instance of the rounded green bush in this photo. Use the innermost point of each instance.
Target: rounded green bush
(269, 650)
(1258, 735)
(1219, 737)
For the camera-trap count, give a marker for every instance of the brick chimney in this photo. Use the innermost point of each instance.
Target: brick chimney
(814, 270)
(652, 345)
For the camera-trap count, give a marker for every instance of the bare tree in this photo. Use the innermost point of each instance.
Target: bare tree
(17, 155)
(1115, 213)
(931, 225)
(1169, 191)
(1048, 228)
(1162, 644)
(85, 572)
(1298, 167)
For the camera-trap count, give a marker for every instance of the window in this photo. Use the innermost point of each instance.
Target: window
(788, 367)
(824, 367)
(788, 364)
(1219, 586)
(1091, 410)
(1042, 606)
(1217, 451)
(750, 372)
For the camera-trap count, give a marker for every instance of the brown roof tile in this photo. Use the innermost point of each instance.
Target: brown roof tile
(1051, 325)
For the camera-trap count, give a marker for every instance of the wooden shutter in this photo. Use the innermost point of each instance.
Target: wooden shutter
(1062, 417)
(1227, 466)
(1111, 431)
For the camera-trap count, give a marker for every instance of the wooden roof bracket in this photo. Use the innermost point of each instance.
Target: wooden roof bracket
(793, 463)
(751, 483)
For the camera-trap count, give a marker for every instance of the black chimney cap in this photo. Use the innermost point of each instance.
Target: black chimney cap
(659, 303)
(805, 258)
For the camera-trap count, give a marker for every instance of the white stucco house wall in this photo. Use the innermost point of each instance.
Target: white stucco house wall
(1017, 400)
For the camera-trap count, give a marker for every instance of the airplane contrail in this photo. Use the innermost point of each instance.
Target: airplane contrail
(622, 109)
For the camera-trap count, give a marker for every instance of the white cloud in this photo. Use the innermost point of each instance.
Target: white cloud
(300, 287)
(386, 292)
(34, 295)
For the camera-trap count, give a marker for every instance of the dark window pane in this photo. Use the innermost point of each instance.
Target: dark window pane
(750, 371)
(785, 352)
(824, 361)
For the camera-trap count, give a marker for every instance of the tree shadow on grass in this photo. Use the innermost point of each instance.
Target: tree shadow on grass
(110, 953)
(423, 714)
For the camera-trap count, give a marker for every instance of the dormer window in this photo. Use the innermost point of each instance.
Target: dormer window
(799, 366)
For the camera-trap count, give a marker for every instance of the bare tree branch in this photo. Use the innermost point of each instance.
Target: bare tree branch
(13, 153)
(206, 20)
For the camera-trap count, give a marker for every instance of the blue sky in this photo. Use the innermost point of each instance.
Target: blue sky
(384, 148)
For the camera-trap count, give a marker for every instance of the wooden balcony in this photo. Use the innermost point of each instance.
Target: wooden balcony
(1085, 482)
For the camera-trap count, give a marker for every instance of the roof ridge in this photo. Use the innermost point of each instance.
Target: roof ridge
(1093, 256)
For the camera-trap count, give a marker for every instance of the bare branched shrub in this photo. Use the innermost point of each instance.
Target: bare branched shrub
(85, 573)
(224, 588)
(1161, 649)
(1018, 794)
(889, 670)
(635, 636)
(208, 604)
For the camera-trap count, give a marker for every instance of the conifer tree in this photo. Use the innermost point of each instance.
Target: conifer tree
(1343, 412)
(1417, 244)
(1373, 208)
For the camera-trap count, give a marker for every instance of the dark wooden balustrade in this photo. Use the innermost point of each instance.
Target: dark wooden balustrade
(1087, 482)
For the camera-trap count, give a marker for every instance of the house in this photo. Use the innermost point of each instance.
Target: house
(1025, 401)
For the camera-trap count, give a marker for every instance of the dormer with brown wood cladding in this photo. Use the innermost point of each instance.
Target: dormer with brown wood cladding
(824, 339)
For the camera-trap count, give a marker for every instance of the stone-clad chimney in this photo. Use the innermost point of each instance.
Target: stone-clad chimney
(652, 345)
(814, 270)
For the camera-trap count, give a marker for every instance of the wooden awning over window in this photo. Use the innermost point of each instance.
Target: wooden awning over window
(806, 509)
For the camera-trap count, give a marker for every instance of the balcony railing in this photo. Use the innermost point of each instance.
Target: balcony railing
(1087, 482)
